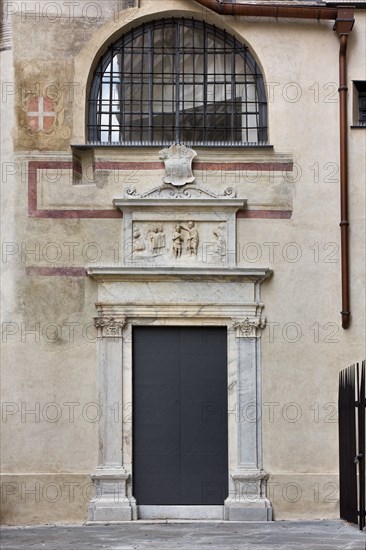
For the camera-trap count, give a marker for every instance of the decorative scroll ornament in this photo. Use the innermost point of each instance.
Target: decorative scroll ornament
(249, 328)
(178, 164)
(109, 327)
(189, 192)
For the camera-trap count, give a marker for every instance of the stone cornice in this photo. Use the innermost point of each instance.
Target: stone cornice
(149, 274)
(181, 203)
(224, 311)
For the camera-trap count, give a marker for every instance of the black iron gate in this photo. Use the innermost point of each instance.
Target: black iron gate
(351, 405)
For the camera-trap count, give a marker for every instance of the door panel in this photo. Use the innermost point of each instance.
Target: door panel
(180, 440)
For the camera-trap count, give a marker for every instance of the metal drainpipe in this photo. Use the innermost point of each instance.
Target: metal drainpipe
(271, 9)
(343, 25)
(344, 21)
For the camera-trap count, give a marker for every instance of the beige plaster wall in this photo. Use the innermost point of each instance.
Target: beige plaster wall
(53, 371)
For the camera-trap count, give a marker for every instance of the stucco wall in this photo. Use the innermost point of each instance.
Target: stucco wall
(52, 369)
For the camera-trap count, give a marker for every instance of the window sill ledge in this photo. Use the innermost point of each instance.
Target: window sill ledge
(91, 146)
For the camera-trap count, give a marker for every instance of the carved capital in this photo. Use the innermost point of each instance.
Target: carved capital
(249, 328)
(109, 327)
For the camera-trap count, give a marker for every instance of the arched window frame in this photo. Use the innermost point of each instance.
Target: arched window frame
(94, 129)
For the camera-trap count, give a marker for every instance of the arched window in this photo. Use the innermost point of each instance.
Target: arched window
(177, 81)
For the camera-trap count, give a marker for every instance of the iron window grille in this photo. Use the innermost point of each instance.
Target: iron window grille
(359, 102)
(177, 80)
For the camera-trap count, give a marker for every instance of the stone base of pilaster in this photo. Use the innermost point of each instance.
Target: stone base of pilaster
(111, 502)
(249, 512)
(248, 501)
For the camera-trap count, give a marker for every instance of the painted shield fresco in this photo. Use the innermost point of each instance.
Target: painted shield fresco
(41, 114)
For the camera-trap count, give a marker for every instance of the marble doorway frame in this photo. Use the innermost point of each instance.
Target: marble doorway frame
(114, 501)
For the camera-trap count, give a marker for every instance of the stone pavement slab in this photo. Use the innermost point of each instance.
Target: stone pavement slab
(280, 535)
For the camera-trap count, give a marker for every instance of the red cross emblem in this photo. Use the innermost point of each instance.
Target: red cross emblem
(41, 115)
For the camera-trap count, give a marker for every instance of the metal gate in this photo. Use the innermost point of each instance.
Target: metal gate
(351, 406)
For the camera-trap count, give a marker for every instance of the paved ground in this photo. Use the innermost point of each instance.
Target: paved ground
(281, 535)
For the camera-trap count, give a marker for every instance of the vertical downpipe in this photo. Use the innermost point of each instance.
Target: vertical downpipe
(343, 26)
(344, 223)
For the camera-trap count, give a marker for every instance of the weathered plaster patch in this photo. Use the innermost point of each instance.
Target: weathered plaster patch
(75, 32)
(41, 303)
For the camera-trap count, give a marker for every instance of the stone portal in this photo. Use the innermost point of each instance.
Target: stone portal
(180, 270)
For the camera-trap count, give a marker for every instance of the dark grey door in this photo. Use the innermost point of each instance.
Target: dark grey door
(180, 439)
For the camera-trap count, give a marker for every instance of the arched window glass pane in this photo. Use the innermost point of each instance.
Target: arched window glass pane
(177, 81)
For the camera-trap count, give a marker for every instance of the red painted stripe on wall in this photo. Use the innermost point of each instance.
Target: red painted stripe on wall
(211, 166)
(249, 166)
(34, 166)
(33, 210)
(129, 166)
(265, 214)
(89, 214)
(56, 271)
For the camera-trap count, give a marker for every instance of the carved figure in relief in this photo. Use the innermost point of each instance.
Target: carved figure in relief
(157, 240)
(192, 239)
(138, 244)
(220, 245)
(161, 237)
(177, 242)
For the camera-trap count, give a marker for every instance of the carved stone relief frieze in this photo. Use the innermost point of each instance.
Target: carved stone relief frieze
(180, 221)
(174, 240)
